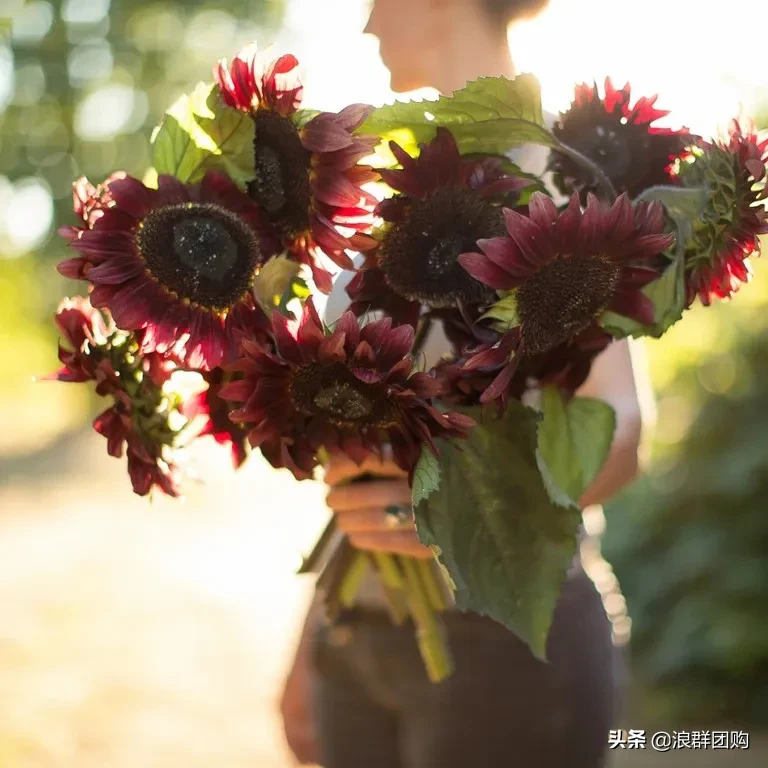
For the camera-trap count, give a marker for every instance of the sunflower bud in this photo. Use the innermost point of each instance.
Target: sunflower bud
(732, 174)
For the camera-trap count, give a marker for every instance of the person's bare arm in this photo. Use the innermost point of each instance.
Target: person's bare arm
(613, 380)
(298, 723)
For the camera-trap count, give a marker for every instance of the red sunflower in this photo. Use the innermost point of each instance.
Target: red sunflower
(446, 203)
(568, 268)
(177, 263)
(733, 174)
(307, 177)
(487, 374)
(619, 138)
(137, 422)
(349, 390)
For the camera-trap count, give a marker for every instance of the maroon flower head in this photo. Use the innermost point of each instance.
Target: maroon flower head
(176, 263)
(568, 268)
(487, 373)
(445, 203)
(307, 177)
(732, 171)
(352, 390)
(618, 137)
(138, 421)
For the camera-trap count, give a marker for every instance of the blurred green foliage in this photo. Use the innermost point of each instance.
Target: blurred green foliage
(82, 84)
(689, 542)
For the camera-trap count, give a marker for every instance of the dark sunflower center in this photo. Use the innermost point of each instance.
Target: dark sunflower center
(419, 255)
(201, 252)
(563, 298)
(282, 164)
(613, 146)
(332, 391)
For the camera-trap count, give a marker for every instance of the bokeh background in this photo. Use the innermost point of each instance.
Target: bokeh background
(157, 634)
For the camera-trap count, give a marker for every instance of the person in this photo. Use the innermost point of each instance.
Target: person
(357, 695)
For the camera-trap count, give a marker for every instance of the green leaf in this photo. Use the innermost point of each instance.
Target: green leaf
(504, 533)
(504, 312)
(491, 115)
(298, 289)
(274, 279)
(574, 439)
(200, 133)
(303, 116)
(681, 203)
(426, 476)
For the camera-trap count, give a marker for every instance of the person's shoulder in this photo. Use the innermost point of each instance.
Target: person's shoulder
(550, 118)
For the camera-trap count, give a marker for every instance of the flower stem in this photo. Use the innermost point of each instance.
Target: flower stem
(431, 580)
(387, 566)
(608, 192)
(392, 585)
(329, 582)
(353, 579)
(429, 630)
(309, 563)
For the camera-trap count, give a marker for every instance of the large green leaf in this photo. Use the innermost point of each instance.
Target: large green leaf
(574, 438)
(491, 115)
(502, 530)
(200, 133)
(426, 476)
(681, 203)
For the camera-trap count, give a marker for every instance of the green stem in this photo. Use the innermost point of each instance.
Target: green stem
(392, 585)
(330, 580)
(387, 566)
(353, 579)
(431, 579)
(429, 630)
(309, 563)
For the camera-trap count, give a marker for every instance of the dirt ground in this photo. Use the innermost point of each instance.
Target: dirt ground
(138, 635)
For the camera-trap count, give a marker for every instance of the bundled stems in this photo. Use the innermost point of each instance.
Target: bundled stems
(429, 630)
(412, 587)
(392, 584)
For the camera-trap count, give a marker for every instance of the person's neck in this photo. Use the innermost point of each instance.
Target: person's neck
(467, 57)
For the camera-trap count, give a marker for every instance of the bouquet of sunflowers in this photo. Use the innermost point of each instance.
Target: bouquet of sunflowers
(212, 264)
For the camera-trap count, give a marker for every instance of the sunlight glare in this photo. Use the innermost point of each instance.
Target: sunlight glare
(592, 40)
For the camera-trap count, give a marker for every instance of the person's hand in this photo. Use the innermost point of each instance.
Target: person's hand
(295, 709)
(361, 508)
